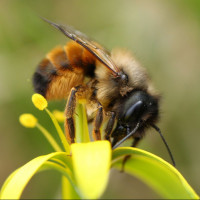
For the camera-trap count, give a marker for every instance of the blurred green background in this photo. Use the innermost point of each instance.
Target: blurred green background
(165, 38)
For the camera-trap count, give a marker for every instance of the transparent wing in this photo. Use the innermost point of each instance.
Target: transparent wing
(99, 52)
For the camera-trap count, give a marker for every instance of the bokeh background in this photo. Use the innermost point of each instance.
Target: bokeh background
(165, 38)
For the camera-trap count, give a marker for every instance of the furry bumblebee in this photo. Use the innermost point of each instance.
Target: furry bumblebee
(113, 83)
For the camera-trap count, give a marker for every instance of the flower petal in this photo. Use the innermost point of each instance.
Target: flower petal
(17, 181)
(155, 172)
(91, 162)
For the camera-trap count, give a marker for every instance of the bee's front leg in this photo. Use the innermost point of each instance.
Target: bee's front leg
(136, 140)
(110, 125)
(69, 112)
(97, 123)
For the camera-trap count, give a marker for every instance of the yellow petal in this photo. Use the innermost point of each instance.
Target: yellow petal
(17, 181)
(39, 101)
(91, 162)
(28, 120)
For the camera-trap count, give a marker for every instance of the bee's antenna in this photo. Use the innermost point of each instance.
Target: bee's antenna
(126, 137)
(163, 139)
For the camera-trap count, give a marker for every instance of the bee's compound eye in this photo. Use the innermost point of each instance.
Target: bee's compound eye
(134, 110)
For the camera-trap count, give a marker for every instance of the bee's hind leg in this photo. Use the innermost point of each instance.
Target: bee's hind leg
(69, 112)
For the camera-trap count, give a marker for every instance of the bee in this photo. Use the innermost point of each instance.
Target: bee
(113, 83)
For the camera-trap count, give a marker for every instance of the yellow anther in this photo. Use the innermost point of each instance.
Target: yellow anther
(28, 120)
(39, 101)
(59, 115)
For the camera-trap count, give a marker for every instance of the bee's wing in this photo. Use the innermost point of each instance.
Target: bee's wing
(99, 52)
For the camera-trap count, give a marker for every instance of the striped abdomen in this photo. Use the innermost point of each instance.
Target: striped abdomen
(63, 68)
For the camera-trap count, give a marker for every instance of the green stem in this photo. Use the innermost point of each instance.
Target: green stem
(68, 190)
(50, 139)
(82, 133)
(60, 132)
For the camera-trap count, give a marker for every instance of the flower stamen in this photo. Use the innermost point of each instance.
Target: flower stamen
(28, 120)
(39, 101)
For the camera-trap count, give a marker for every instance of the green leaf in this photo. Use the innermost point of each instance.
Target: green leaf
(17, 181)
(155, 172)
(91, 163)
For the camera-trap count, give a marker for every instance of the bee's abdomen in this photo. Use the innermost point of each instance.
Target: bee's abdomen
(43, 76)
(63, 68)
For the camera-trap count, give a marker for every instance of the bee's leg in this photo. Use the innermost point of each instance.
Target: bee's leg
(115, 140)
(109, 126)
(134, 144)
(136, 141)
(69, 111)
(97, 123)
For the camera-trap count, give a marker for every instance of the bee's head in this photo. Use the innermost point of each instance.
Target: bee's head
(138, 111)
(138, 107)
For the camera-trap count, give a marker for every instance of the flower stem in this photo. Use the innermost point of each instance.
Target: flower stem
(82, 133)
(60, 132)
(50, 139)
(68, 190)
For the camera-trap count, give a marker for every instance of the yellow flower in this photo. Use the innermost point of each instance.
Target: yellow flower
(59, 115)
(39, 101)
(28, 120)
(91, 162)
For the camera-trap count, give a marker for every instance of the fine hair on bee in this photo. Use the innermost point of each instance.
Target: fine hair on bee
(113, 84)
